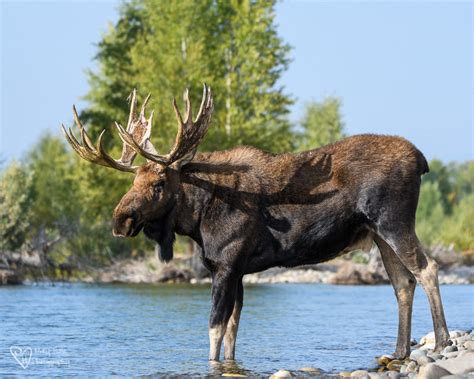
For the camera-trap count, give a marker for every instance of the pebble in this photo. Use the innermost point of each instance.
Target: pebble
(423, 360)
(469, 345)
(393, 374)
(345, 374)
(375, 375)
(234, 375)
(384, 360)
(394, 365)
(449, 349)
(415, 354)
(360, 374)
(435, 356)
(411, 367)
(452, 354)
(281, 374)
(432, 371)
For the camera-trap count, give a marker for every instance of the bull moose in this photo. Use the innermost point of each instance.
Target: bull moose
(250, 210)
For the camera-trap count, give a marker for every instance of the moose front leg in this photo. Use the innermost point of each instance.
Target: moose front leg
(230, 336)
(224, 289)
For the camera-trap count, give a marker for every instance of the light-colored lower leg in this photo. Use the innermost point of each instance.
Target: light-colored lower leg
(216, 334)
(404, 284)
(231, 332)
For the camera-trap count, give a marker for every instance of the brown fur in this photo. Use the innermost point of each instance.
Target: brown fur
(250, 210)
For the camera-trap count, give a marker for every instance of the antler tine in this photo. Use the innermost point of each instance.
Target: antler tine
(190, 133)
(87, 151)
(133, 104)
(189, 109)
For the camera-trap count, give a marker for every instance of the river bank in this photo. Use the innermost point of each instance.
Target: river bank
(353, 269)
(339, 271)
(453, 362)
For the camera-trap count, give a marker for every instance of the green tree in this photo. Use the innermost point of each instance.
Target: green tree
(161, 47)
(16, 199)
(458, 228)
(430, 213)
(56, 208)
(322, 124)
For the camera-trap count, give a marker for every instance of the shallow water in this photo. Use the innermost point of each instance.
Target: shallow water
(136, 330)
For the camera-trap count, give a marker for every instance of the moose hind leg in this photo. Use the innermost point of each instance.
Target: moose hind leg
(404, 284)
(230, 336)
(224, 288)
(425, 269)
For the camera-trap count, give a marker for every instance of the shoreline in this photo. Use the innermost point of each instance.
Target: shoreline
(453, 362)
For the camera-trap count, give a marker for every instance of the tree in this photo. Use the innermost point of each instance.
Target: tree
(430, 213)
(161, 47)
(55, 208)
(16, 199)
(322, 124)
(458, 228)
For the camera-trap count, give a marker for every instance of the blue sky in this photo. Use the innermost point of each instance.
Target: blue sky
(400, 68)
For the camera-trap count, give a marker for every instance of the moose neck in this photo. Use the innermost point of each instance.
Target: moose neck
(195, 193)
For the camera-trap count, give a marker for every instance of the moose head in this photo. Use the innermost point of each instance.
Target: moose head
(152, 196)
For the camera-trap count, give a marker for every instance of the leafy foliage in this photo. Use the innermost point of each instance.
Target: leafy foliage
(322, 124)
(16, 198)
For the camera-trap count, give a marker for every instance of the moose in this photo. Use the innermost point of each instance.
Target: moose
(250, 210)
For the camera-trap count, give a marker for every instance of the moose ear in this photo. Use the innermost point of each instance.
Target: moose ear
(183, 161)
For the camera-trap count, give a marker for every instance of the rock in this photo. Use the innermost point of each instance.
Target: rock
(415, 354)
(449, 349)
(412, 375)
(345, 374)
(452, 354)
(355, 273)
(394, 365)
(429, 338)
(360, 374)
(423, 360)
(281, 374)
(310, 370)
(432, 371)
(413, 342)
(374, 375)
(384, 359)
(428, 346)
(457, 376)
(175, 275)
(234, 375)
(10, 277)
(411, 367)
(460, 364)
(435, 356)
(469, 345)
(460, 340)
(393, 374)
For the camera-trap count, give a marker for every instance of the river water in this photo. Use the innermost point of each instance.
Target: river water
(160, 330)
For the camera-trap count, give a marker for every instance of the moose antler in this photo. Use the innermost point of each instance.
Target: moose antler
(190, 133)
(139, 128)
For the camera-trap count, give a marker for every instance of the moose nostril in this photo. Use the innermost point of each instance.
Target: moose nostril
(124, 225)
